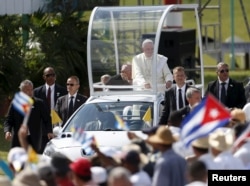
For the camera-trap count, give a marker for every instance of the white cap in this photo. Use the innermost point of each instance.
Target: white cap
(99, 174)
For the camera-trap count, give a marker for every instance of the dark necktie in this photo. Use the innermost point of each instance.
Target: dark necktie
(71, 107)
(223, 93)
(49, 97)
(180, 99)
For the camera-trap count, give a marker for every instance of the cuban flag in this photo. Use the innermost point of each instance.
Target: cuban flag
(22, 103)
(6, 169)
(86, 145)
(205, 118)
(84, 139)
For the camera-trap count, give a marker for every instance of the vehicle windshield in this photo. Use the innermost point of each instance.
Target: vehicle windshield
(110, 116)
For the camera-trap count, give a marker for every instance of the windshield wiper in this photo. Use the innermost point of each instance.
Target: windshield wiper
(109, 129)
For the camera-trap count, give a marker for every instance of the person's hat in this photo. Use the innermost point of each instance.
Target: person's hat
(99, 174)
(27, 177)
(201, 143)
(238, 116)
(162, 136)
(17, 157)
(229, 133)
(60, 163)
(220, 140)
(81, 167)
(150, 131)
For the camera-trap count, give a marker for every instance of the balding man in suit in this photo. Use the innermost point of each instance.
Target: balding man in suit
(39, 116)
(68, 104)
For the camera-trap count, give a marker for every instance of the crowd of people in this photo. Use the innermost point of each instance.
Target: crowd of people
(159, 159)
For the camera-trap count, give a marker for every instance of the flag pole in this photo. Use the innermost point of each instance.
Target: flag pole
(26, 118)
(23, 131)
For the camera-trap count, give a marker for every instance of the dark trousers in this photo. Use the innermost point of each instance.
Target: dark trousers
(45, 140)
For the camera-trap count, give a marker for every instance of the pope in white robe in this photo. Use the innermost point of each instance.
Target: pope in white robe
(142, 68)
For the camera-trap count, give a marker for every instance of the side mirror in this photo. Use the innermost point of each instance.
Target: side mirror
(57, 130)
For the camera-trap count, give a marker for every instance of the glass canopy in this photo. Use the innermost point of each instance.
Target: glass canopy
(116, 34)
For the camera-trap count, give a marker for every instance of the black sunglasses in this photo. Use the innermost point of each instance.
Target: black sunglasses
(70, 84)
(50, 75)
(224, 70)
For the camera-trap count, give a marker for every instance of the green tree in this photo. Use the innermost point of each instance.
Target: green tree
(11, 54)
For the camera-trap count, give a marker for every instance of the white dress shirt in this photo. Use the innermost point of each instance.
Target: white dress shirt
(226, 85)
(69, 98)
(183, 88)
(52, 93)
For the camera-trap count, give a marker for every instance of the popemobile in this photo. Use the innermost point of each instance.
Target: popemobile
(115, 36)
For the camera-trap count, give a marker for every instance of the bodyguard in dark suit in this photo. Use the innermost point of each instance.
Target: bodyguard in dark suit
(49, 93)
(228, 91)
(172, 102)
(57, 91)
(67, 105)
(38, 117)
(193, 96)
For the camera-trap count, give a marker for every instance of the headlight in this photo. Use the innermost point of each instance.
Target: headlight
(49, 149)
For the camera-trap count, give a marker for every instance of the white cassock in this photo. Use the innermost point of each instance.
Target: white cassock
(142, 71)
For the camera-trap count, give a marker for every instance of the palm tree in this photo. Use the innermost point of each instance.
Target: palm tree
(61, 43)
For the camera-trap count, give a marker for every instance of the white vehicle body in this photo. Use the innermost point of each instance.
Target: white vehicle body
(128, 109)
